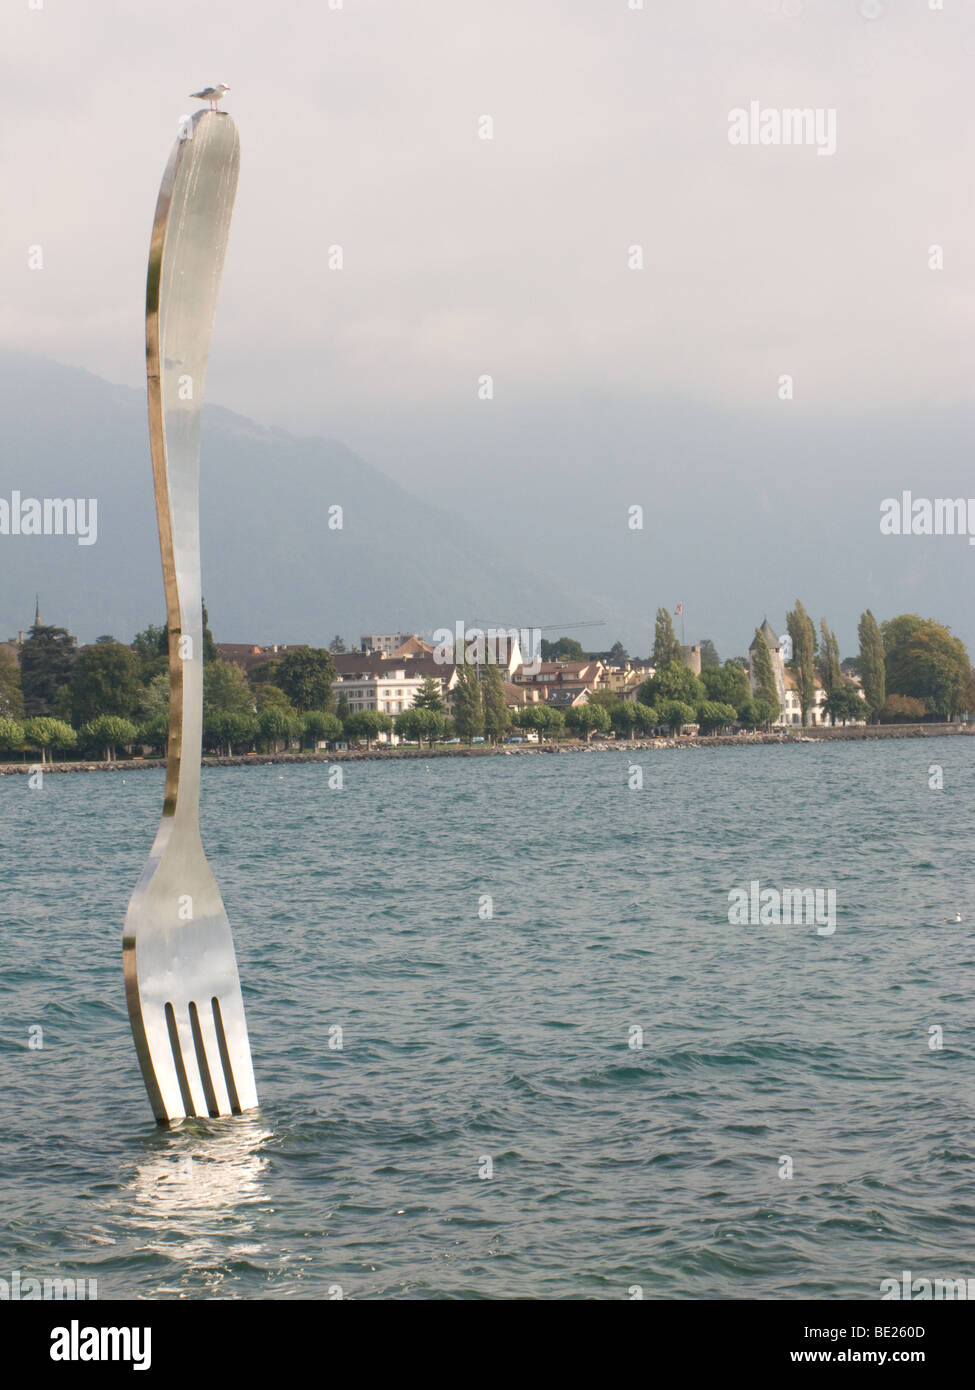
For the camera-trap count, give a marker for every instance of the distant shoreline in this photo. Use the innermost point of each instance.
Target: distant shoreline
(853, 734)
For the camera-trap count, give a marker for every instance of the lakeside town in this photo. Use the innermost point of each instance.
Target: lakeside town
(109, 700)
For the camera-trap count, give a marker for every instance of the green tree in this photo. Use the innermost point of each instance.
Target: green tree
(226, 689)
(420, 723)
(564, 649)
(342, 707)
(925, 662)
(337, 646)
(43, 733)
(106, 732)
(757, 714)
(222, 728)
(902, 709)
(544, 719)
(803, 663)
(713, 715)
(709, 656)
(830, 675)
(11, 695)
(306, 675)
(410, 725)
(554, 725)
(11, 735)
(623, 717)
(468, 706)
(674, 714)
(368, 724)
(210, 652)
(275, 722)
(587, 720)
(843, 703)
(154, 700)
(272, 697)
(497, 716)
(105, 680)
(151, 647)
(46, 659)
(265, 672)
(666, 648)
(429, 695)
(766, 689)
(320, 724)
(728, 684)
(646, 717)
(533, 718)
(674, 681)
(154, 733)
(618, 655)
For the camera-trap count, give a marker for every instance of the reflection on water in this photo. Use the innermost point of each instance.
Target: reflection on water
(194, 1197)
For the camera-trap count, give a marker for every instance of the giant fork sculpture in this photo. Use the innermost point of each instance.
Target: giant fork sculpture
(181, 981)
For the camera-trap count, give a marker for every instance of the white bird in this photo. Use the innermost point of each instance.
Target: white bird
(956, 918)
(212, 94)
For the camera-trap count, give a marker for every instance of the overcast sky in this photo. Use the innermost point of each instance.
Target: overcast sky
(462, 256)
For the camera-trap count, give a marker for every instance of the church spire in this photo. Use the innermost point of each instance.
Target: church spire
(37, 610)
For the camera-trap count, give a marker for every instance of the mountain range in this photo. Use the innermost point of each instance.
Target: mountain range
(273, 568)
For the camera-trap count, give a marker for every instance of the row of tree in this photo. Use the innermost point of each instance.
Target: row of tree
(909, 668)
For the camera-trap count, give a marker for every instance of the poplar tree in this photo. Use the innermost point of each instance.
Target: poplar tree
(764, 676)
(497, 716)
(830, 675)
(803, 662)
(666, 647)
(468, 707)
(873, 665)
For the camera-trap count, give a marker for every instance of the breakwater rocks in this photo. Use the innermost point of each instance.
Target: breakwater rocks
(810, 735)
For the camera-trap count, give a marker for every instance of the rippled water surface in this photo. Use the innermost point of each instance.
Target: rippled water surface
(467, 1039)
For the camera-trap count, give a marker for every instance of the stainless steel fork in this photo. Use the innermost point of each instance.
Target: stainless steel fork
(181, 980)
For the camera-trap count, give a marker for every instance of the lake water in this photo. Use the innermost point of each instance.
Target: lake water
(468, 1039)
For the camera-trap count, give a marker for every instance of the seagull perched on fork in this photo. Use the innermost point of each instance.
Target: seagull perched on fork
(212, 94)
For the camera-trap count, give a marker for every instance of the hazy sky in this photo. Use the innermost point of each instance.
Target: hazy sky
(462, 256)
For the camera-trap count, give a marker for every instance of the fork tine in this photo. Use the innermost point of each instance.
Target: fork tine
(235, 1052)
(207, 1046)
(184, 1056)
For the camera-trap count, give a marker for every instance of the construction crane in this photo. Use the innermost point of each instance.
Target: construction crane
(531, 628)
(543, 627)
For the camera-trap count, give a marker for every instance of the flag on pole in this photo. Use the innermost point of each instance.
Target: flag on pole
(678, 610)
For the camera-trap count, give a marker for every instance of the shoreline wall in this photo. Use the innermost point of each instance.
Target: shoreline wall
(855, 733)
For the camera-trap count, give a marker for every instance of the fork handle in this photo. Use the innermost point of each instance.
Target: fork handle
(186, 255)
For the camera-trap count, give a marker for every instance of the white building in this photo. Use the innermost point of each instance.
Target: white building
(390, 692)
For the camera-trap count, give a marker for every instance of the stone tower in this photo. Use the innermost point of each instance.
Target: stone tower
(692, 659)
